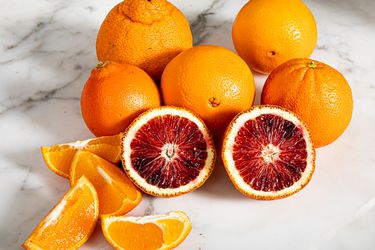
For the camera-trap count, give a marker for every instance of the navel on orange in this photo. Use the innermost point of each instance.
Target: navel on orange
(117, 194)
(268, 153)
(168, 151)
(145, 33)
(157, 232)
(316, 92)
(59, 157)
(70, 223)
(212, 81)
(267, 33)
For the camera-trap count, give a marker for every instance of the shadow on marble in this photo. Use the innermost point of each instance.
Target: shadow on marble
(219, 185)
(13, 231)
(97, 240)
(32, 200)
(21, 220)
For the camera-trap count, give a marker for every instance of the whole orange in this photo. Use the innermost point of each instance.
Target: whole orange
(145, 33)
(267, 33)
(114, 95)
(212, 81)
(316, 92)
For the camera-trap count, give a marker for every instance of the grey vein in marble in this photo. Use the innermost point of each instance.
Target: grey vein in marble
(200, 27)
(41, 96)
(150, 209)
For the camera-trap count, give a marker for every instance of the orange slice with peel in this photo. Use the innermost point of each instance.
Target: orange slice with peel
(59, 157)
(117, 194)
(146, 233)
(70, 223)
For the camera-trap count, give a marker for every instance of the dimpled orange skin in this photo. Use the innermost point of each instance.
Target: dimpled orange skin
(114, 95)
(212, 81)
(267, 33)
(145, 33)
(316, 92)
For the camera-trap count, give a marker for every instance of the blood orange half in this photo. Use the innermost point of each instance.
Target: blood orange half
(268, 153)
(168, 151)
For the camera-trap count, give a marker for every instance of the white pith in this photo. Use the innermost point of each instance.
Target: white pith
(140, 181)
(57, 212)
(106, 177)
(83, 144)
(270, 153)
(230, 140)
(54, 215)
(147, 219)
(78, 144)
(169, 151)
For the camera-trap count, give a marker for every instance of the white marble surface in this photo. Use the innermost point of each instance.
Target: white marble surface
(47, 49)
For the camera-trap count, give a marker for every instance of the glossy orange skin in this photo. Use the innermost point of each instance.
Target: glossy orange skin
(114, 95)
(316, 92)
(267, 33)
(212, 81)
(144, 33)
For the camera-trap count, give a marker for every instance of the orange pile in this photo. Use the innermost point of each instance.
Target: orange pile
(267, 150)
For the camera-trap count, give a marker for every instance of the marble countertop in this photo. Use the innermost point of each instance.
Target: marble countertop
(47, 49)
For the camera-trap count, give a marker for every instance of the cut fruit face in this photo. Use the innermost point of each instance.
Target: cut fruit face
(117, 194)
(59, 157)
(168, 151)
(161, 231)
(70, 223)
(268, 153)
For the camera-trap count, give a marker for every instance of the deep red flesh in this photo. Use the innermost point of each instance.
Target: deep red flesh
(285, 169)
(189, 155)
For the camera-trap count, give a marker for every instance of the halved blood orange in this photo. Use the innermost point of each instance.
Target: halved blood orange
(59, 157)
(168, 151)
(156, 232)
(268, 153)
(70, 223)
(117, 194)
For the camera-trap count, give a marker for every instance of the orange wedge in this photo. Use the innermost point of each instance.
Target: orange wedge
(160, 232)
(117, 194)
(59, 157)
(70, 223)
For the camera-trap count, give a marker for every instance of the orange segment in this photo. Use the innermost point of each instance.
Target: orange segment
(59, 157)
(137, 233)
(172, 230)
(117, 194)
(70, 223)
(146, 233)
